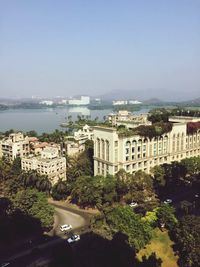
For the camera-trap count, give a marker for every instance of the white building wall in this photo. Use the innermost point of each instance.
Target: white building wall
(54, 168)
(138, 153)
(16, 145)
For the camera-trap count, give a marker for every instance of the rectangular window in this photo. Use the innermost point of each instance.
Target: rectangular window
(116, 155)
(127, 167)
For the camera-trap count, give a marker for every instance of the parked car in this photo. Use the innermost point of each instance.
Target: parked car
(167, 201)
(73, 238)
(133, 204)
(65, 227)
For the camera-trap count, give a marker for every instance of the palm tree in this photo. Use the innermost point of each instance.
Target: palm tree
(30, 179)
(43, 184)
(69, 117)
(61, 190)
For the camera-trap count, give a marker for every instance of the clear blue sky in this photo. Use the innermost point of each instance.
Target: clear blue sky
(61, 47)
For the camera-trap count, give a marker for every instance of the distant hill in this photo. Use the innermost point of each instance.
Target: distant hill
(130, 95)
(153, 95)
(152, 101)
(192, 102)
(119, 94)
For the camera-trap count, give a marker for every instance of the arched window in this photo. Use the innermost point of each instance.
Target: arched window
(128, 143)
(98, 147)
(134, 143)
(107, 150)
(103, 148)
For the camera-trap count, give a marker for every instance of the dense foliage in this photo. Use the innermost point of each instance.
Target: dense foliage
(158, 115)
(187, 237)
(99, 190)
(24, 214)
(193, 127)
(166, 215)
(148, 131)
(33, 203)
(61, 190)
(170, 177)
(81, 164)
(123, 220)
(162, 114)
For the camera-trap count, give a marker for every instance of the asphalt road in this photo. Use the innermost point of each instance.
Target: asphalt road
(63, 215)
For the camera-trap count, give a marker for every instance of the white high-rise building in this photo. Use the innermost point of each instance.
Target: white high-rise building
(83, 101)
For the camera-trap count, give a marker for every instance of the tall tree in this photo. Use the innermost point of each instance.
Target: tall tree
(187, 237)
(33, 203)
(121, 219)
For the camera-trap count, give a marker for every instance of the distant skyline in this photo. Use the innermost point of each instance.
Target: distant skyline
(149, 47)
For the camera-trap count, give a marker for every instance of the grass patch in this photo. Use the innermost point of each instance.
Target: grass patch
(161, 244)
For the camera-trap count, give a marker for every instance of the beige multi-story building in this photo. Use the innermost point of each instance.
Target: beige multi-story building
(15, 145)
(84, 134)
(48, 163)
(73, 148)
(36, 147)
(113, 151)
(129, 120)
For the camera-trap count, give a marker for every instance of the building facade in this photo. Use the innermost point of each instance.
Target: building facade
(73, 148)
(83, 101)
(113, 152)
(48, 163)
(15, 145)
(128, 119)
(86, 133)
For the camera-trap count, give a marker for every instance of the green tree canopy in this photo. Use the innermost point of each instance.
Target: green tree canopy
(61, 190)
(34, 203)
(187, 237)
(122, 219)
(166, 215)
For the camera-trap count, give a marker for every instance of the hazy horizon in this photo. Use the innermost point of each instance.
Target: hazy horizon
(67, 48)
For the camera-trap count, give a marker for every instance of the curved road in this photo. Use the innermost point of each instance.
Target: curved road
(63, 215)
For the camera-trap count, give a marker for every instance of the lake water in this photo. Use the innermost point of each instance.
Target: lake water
(45, 120)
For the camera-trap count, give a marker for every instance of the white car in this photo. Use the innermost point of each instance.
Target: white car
(133, 204)
(65, 227)
(167, 201)
(73, 238)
